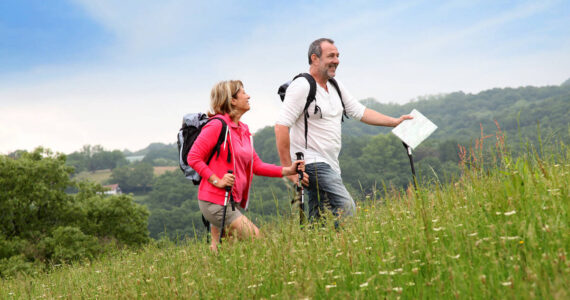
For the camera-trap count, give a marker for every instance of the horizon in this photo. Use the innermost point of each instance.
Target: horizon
(122, 75)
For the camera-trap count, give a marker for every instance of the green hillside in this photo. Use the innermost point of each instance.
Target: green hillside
(499, 232)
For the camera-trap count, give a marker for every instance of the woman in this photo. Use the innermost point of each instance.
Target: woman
(229, 102)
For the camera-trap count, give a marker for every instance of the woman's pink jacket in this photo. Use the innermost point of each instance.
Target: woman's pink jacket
(240, 143)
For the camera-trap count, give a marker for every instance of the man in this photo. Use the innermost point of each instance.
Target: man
(322, 145)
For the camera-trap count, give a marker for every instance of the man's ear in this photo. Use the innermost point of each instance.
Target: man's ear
(314, 58)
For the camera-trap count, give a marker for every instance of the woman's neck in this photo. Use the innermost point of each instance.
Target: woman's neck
(236, 118)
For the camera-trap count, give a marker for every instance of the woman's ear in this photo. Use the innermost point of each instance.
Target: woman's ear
(233, 101)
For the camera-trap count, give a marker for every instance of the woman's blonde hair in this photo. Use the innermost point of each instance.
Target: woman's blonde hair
(221, 95)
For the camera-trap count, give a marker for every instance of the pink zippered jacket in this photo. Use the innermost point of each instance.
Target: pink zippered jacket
(244, 161)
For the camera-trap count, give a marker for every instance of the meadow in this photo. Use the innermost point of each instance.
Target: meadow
(500, 231)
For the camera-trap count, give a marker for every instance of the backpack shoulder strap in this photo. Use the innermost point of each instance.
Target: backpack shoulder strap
(312, 88)
(310, 98)
(221, 139)
(335, 84)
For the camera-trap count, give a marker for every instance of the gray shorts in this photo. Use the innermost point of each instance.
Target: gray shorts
(214, 213)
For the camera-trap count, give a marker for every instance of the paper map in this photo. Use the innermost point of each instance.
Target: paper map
(414, 131)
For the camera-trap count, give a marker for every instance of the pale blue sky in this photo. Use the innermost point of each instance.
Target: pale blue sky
(122, 73)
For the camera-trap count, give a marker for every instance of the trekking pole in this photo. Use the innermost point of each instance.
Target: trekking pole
(301, 190)
(409, 150)
(228, 195)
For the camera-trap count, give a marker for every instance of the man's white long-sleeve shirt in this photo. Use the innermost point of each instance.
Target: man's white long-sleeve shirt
(323, 134)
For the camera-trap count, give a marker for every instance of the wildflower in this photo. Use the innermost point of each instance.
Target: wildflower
(376, 231)
(357, 273)
(521, 242)
(483, 279)
(415, 270)
(291, 282)
(411, 283)
(398, 289)
(498, 213)
(338, 254)
(329, 271)
(510, 213)
(330, 286)
(437, 228)
(510, 238)
(368, 248)
(472, 234)
(507, 283)
(364, 285)
(434, 220)
(454, 257)
(459, 225)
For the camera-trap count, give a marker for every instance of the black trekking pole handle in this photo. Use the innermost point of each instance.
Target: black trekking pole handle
(228, 191)
(300, 156)
(300, 188)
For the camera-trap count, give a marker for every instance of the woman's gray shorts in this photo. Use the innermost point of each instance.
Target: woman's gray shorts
(214, 213)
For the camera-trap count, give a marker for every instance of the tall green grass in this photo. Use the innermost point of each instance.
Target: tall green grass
(500, 231)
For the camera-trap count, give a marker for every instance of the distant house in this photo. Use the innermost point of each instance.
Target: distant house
(112, 189)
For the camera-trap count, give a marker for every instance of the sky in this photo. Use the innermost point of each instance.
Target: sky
(121, 74)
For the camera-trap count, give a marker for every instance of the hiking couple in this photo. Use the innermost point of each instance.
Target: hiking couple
(314, 130)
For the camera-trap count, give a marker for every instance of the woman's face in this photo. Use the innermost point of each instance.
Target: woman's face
(241, 101)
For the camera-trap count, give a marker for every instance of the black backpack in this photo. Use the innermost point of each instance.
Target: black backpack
(311, 97)
(191, 127)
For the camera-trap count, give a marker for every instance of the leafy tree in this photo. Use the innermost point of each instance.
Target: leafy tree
(40, 222)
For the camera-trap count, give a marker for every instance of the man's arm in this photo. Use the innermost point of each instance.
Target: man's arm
(283, 142)
(372, 117)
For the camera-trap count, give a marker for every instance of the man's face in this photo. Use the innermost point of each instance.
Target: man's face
(328, 62)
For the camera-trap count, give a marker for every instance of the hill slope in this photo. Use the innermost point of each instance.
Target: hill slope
(498, 233)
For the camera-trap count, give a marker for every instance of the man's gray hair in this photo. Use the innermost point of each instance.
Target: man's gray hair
(315, 47)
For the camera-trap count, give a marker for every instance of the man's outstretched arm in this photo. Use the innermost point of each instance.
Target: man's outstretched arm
(372, 117)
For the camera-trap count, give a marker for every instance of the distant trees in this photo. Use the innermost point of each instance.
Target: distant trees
(136, 177)
(174, 207)
(92, 158)
(41, 223)
(158, 154)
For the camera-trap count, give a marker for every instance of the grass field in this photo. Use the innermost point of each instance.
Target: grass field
(499, 232)
(101, 176)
